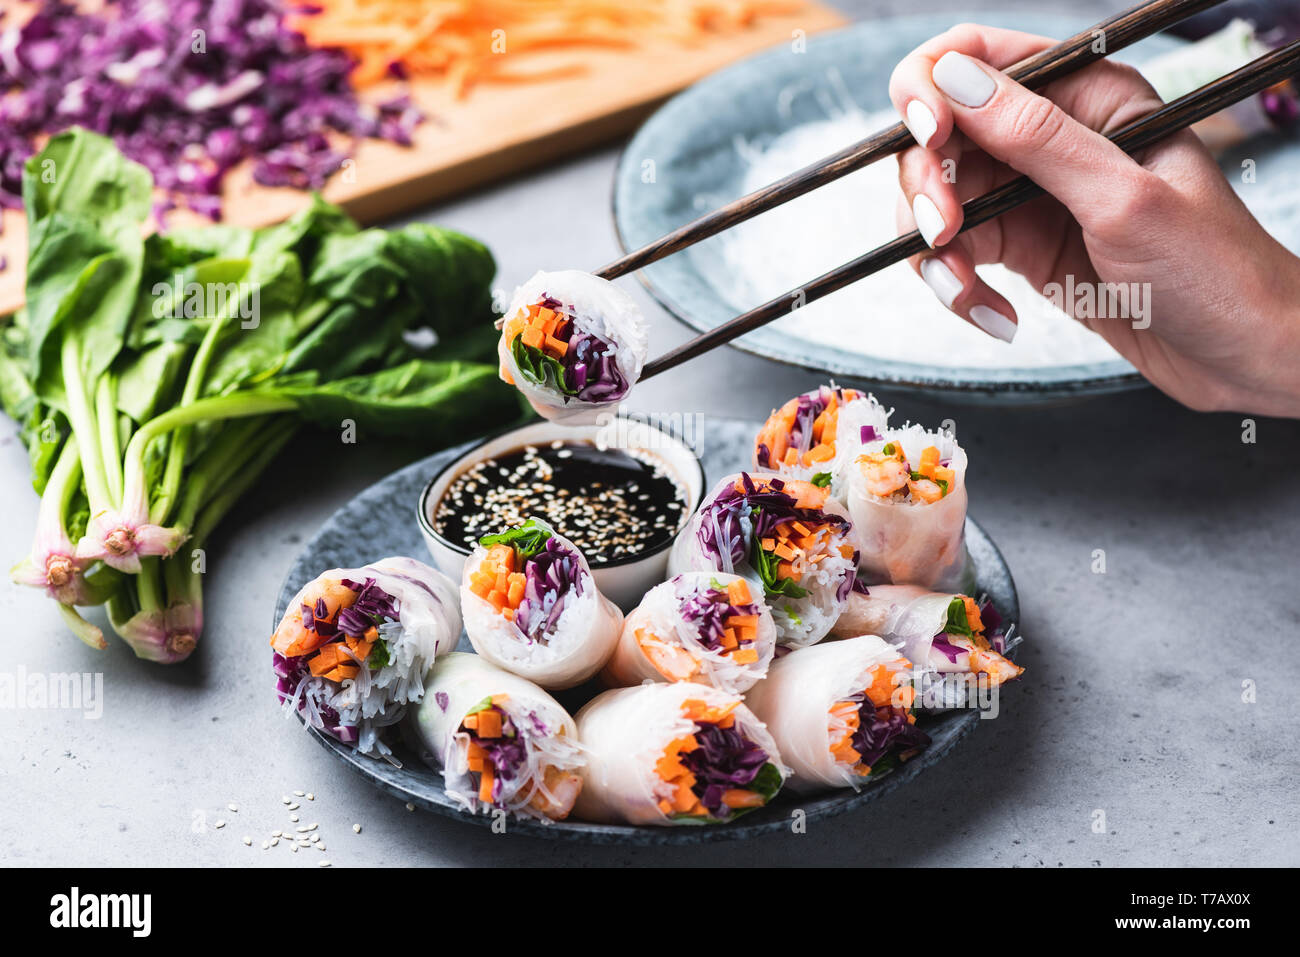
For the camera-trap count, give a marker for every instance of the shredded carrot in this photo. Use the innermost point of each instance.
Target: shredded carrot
(468, 42)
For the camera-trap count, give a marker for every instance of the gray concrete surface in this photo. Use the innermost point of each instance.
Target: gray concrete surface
(1129, 741)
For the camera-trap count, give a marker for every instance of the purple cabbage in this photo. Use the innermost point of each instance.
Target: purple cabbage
(189, 89)
(720, 531)
(550, 577)
(708, 609)
(725, 759)
(289, 673)
(868, 433)
(373, 607)
(882, 730)
(946, 648)
(508, 753)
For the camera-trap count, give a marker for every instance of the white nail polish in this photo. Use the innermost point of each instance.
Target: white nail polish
(963, 79)
(921, 122)
(993, 322)
(928, 218)
(943, 282)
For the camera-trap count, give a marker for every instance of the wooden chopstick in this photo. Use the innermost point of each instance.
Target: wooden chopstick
(1117, 32)
(1252, 78)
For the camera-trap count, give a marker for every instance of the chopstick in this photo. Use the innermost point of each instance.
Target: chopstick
(1252, 78)
(1115, 33)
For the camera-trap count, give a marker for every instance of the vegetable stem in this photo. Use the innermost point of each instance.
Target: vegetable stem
(110, 450)
(82, 418)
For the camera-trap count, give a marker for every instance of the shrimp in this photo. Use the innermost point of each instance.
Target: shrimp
(294, 637)
(885, 474)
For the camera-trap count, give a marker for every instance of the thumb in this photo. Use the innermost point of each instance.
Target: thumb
(1097, 181)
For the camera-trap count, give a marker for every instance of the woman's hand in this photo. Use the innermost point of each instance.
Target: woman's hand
(1224, 306)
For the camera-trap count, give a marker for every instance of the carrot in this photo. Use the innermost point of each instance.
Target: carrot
(738, 592)
(744, 656)
(489, 723)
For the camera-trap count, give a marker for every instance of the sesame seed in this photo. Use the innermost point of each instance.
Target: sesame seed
(356, 828)
(233, 807)
(323, 864)
(410, 806)
(219, 824)
(248, 841)
(300, 793)
(293, 818)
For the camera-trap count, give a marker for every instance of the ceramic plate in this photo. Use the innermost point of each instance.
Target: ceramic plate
(381, 521)
(693, 138)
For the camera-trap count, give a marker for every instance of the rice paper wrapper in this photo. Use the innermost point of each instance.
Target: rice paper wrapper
(905, 543)
(626, 732)
(796, 697)
(660, 612)
(581, 642)
(460, 682)
(799, 621)
(428, 626)
(600, 308)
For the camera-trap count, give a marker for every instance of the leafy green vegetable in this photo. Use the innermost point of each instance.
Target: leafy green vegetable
(822, 479)
(171, 370)
(958, 623)
(481, 706)
(527, 540)
(540, 368)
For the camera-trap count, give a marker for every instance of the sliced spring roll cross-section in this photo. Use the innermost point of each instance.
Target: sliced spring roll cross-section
(906, 494)
(354, 645)
(531, 607)
(699, 626)
(815, 435)
(671, 754)
(502, 742)
(840, 711)
(573, 344)
(940, 631)
(787, 537)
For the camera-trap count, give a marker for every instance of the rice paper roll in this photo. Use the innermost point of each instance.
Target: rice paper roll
(815, 436)
(353, 647)
(532, 607)
(906, 494)
(941, 632)
(502, 742)
(788, 538)
(674, 754)
(573, 344)
(703, 627)
(840, 712)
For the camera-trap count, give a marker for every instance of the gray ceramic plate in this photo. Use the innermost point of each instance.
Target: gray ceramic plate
(692, 140)
(381, 521)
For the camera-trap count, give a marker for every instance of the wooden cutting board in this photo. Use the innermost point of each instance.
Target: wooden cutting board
(493, 132)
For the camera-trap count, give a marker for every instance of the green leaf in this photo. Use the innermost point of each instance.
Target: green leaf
(379, 655)
(822, 479)
(481, 706)
(957, 623)
(539, 368)
(766, 565)
(527, 540)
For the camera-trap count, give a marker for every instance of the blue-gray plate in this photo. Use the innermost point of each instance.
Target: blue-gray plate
(381, 522)
(692, 140)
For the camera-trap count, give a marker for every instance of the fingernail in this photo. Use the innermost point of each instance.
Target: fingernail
(928, 218)
(921, 122)
(993, 322)
(963, 79)
(943, 282)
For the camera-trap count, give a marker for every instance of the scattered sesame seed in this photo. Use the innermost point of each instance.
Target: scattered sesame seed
(293, 818)
(294, 848)
(323, 864)
(310, 796)
(320, 847)
(275, 841)
(356, 828)
(410, 806)
(266, 845)
(233, 807)
(248, 841)
(300, 793)
(286, 799)
(314, 838)
(219, 824)
(293, 807)
(303, 830)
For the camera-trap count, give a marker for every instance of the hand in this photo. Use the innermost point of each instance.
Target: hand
(1224, 306)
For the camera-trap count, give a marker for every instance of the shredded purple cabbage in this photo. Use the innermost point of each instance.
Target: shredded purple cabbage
(708, 609)
(763, 455)
(189, 89)
(373, 607)
(882, 730)
(508, 753)
(946, 648)
(725, 759)
(859, 586)
(289, 673)
(868, 433)
(589, 368)
(550, 577)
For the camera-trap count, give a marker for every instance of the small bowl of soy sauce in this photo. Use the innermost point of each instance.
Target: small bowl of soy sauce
(620, 490)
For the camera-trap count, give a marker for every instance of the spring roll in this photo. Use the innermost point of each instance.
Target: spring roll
(674, 754)
(815, 436)
(939, 631)
(502, 742)
(353, 647)
(700, 626)
(789, 539)
(572, 344)
(840, 712)
(906, 494)
(531, 607)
